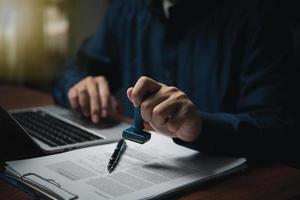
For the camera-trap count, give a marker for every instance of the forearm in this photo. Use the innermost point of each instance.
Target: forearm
(96, 56)
(71, 75)
(256, 135)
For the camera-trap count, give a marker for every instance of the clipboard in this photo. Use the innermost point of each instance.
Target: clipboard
(165, 168)
(39, 187)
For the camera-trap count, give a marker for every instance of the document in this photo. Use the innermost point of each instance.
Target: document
(144, 171)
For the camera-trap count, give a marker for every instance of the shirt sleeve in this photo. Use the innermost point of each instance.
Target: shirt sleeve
(264, 125)
(96, 56)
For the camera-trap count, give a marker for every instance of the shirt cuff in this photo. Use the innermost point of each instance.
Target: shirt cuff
(63, 86)
(216, 131)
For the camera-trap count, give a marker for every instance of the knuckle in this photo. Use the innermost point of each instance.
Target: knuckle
(79, 83)
(144, 78)
(146, 106)
(170, 89)
(180, 95)
(81, 90)
(89, 79)
(103, 83)
(173, 89)
(72, 94)
(101, 79)
(156, 112)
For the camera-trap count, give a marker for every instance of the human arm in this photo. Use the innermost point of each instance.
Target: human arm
(78, 86)
(261, 124)
(166, 109)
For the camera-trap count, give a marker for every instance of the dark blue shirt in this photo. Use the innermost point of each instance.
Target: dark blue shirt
(231, 57)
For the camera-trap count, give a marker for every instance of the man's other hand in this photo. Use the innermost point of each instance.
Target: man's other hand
(166, 109)
(91, 98)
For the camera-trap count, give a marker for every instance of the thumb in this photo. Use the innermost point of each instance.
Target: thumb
(129, 93)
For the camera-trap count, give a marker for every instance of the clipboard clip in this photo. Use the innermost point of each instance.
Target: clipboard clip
(47, 187)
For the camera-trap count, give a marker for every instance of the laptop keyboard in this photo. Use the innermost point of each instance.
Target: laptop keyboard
(52, 131)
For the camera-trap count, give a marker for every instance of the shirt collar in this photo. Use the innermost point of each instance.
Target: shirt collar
(184, 14)
(166, 6)
(183, 5)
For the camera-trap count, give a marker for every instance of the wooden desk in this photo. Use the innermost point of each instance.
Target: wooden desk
(267, 182)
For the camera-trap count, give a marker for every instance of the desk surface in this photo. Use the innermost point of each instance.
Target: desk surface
(265, 182)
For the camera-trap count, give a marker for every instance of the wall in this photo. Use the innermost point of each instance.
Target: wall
(38, 36)
(85, 16)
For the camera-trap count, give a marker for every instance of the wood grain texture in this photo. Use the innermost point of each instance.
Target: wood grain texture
(12, 97)
(276, 182)
(8, 192)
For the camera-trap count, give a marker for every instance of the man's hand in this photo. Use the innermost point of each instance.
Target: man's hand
(166, 109)
(91, 98)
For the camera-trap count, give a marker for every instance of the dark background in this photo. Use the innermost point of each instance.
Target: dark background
(37, 36)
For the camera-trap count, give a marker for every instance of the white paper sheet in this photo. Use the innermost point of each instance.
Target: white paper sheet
(144, 171)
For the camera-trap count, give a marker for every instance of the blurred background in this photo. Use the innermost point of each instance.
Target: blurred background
(37, 36)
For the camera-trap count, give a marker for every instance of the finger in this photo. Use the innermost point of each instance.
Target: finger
(163, 111)
(129, 93)
(73, 99)
(142, 87)
(177, 120)
(83, 100)
(170, 109)
(149, 104)
(191, 127)
(162, 129)
(94, 100)
(104, 92)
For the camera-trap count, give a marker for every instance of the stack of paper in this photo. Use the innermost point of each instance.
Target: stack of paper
(144, 171)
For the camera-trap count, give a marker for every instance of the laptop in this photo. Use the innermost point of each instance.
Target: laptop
(46, 130)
